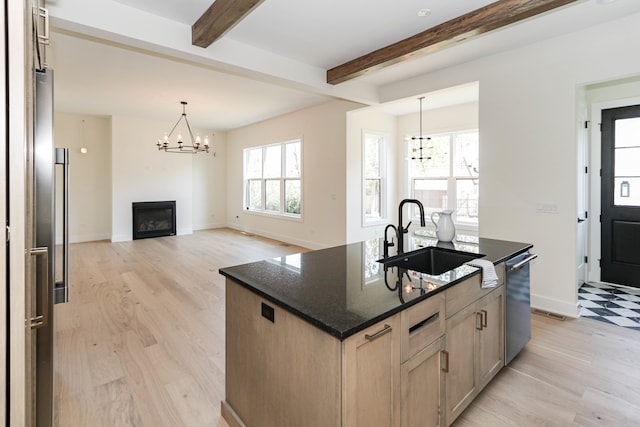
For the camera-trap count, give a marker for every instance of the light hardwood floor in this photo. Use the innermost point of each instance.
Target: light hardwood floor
(142, 344)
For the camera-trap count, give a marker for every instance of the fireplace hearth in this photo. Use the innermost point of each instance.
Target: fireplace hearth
(154, 219)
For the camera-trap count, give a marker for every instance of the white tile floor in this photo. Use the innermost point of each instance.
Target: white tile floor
(613, 304)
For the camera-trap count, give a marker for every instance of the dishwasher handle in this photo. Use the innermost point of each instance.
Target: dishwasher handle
(523, 262)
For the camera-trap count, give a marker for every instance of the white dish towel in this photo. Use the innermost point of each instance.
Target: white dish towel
(489, 276)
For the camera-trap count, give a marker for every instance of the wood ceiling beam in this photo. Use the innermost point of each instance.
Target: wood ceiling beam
(221, 16)
(493, 16)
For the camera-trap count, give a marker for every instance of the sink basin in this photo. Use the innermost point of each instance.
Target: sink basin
(430, 260)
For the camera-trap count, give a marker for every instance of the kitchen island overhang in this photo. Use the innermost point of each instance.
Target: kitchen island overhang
(338, 289)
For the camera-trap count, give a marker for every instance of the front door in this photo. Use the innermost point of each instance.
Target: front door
(620, 221)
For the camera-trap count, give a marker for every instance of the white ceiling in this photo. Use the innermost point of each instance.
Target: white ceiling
(135, 57)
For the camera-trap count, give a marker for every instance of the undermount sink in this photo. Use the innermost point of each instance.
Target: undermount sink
(430, 260)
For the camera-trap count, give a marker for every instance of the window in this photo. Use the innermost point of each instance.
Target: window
(373, 171)
(449, 178)
(273, 178)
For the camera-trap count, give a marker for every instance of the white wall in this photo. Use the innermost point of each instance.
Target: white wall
(323, 131)
(209, 178)
(89, 175)
(141, 173)
(103, 187)
(528, 141)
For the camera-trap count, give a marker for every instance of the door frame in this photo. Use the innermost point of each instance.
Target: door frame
(595, 163)
(4, 178)
(582, 189)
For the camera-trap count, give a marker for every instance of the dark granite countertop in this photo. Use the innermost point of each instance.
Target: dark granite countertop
(342, 290)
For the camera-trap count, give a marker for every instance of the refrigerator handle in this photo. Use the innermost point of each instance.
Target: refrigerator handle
(62, 288)
(43, 319)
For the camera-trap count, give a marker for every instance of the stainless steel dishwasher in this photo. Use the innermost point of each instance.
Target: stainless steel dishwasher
(517, 305)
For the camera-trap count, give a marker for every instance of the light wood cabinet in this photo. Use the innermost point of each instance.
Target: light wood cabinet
(420, 367)
(461, 377)
(372, 376)
(421, 379)
(474, 348)
(422, 387)
(491, 342)
(280, 372)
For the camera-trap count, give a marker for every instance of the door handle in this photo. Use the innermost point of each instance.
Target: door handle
(581, 220)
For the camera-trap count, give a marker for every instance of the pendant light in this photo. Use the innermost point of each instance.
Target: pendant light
(418, 153)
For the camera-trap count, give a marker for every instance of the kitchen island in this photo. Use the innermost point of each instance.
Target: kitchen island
(328, 338)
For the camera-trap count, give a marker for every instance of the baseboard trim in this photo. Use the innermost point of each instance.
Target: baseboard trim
(230, 416)
(115, 238)
(80, 238)
(184, 231)
(549, 305)
(209, 226)
(281, 238)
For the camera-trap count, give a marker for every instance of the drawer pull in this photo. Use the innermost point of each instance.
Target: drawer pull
(446, 361)
(484, 318)
(383, 331)
(426, 321)
(479, 324)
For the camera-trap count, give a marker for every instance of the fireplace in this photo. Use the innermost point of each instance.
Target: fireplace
(154, 219)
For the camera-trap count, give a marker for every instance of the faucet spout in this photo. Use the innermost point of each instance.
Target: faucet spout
(403, 230)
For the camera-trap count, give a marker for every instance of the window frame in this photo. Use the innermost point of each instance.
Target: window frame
(282, 179)
(383, 138)
(451, 179)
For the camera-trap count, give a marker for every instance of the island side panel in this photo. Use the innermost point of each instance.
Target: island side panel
(280, 373)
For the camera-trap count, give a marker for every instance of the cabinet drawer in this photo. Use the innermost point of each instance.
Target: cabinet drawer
(464, 293)
(422, 324)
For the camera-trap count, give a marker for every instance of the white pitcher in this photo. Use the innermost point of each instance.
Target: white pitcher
(445, 230)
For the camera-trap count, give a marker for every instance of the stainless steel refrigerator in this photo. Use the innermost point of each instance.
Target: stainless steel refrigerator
(45, 289)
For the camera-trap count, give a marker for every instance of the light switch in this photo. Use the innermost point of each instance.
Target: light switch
(547, 208)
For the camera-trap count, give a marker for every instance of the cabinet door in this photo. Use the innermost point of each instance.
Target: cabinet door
(491, 336)
(422, 387)
(280, 371)
(372, 376)
(461, 360)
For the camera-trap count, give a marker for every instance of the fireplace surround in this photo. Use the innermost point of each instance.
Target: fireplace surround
(154, 219)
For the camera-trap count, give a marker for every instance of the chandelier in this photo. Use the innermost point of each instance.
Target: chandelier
(196, 144)
(418, 152)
